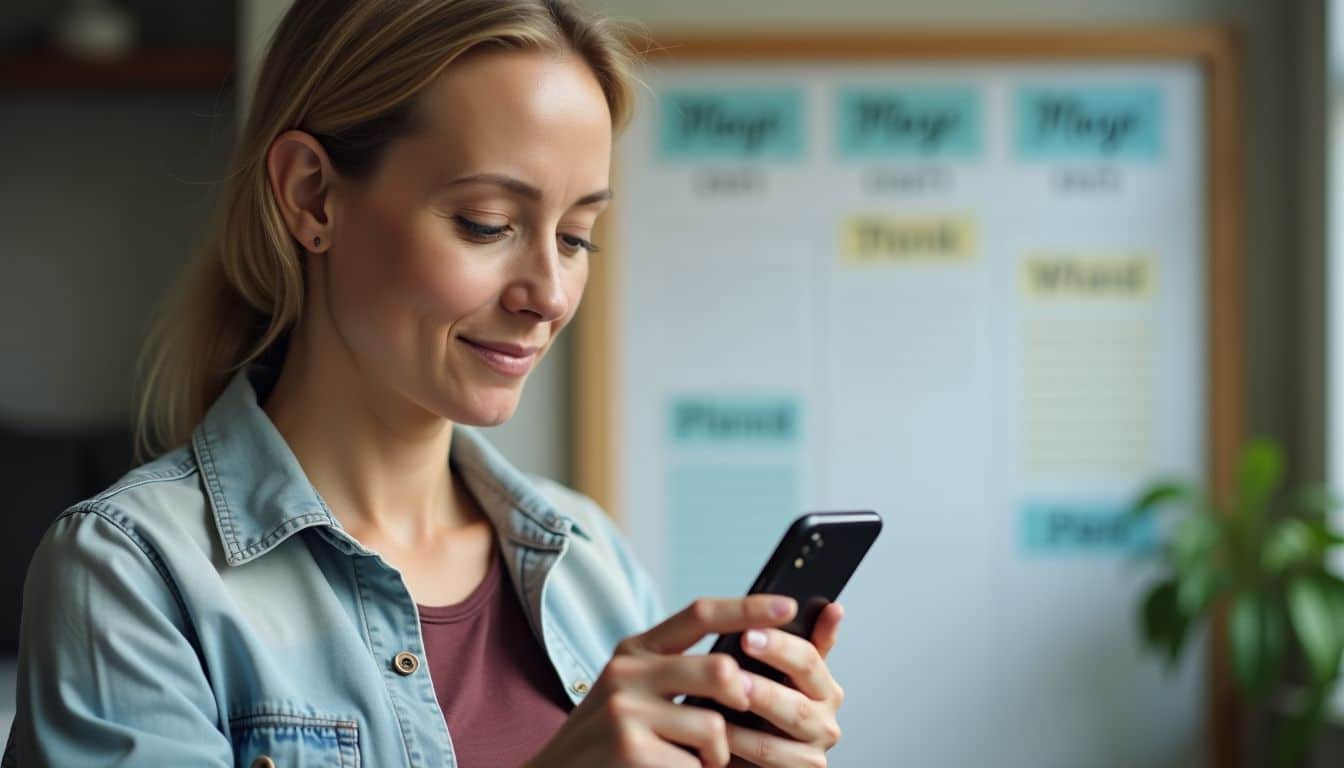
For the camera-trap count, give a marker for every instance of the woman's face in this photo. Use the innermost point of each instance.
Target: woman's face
(454, 267)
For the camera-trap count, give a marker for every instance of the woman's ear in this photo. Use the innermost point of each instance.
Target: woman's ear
(301, 174)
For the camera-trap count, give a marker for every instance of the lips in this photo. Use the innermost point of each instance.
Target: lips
(502, 357)
(504, 348)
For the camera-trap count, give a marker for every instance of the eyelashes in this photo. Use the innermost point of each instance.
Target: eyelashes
(578, 243)
(481, 232)
(485, 233)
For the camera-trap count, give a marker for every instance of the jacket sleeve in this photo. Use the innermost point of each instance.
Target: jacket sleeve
(647, 596)
(108, 672)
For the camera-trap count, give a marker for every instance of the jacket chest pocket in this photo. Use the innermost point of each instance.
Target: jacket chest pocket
(294, 741)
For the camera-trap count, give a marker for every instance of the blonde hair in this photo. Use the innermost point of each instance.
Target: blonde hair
(348, 72)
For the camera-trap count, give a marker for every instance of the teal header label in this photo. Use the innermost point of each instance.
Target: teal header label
(734, 420)
(1089, 123)
(731, 124)
(909, 122)
(1058, 529)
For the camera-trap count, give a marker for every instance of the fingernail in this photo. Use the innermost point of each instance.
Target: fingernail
(755, 639)
(746, 684)
(779, 608)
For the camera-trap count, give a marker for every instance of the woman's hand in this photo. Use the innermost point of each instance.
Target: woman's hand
(805, 717)
(629, 718)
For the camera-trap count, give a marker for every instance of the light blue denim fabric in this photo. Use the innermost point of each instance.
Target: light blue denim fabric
(208, 609)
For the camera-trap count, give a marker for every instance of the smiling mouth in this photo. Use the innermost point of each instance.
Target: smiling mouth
(503, 358)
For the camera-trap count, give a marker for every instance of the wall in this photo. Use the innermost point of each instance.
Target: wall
(104, 194)
(104, 198)
(1273, 325)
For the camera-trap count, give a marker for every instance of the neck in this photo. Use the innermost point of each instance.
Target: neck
(379, 460)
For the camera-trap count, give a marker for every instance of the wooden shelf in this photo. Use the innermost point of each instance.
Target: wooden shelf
(145, 70)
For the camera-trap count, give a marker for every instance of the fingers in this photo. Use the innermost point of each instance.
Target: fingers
(827, 629)
(794, 714)
(646, 749)
(715, 676)
(700, 729)
(797, 658)
(709, 615)
(639, 719)
(770, 751)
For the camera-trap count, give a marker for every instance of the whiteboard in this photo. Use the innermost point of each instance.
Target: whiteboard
(970, 295)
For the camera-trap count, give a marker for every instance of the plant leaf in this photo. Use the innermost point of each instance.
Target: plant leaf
(1334, 591)
(1192, 538)
(1324, 533)
(1316, 501)
(1161, 494)
(1244, 635)
(1302, 726)
(1259, 476)
(1261, 467)
(1164, 627)
(1275, 632)
(1291, 542)
(1158, 608)
(1310, 609)
(1255, 632)
(1196, 587)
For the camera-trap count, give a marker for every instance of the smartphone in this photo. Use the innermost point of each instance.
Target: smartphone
(813, 562)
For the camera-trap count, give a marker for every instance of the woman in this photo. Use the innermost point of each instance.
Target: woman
(325, 565)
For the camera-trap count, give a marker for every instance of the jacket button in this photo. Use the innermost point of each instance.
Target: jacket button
(264, 761)
(405, 663)
(580, 687)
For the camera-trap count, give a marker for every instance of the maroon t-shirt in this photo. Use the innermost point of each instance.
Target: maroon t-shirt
(498, 691)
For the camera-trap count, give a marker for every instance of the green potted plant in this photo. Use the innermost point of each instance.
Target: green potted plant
(1262, 553)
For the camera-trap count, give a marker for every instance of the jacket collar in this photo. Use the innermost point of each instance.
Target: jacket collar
(260, 496)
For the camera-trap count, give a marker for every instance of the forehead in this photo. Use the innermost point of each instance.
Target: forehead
(533, 113)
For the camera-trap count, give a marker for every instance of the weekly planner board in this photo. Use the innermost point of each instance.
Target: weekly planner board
(972, 295)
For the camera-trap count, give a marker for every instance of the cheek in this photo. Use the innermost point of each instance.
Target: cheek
(372, 263)
(448, 283)
(396, 278)
(575, 280)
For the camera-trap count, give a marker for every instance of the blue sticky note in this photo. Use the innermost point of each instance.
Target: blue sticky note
(908, 122)
(733, 124)
(1106, 122)
(718, 511)
(1062, 528)
(734, 420)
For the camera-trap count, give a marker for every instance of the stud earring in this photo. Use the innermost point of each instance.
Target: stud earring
(317, 241)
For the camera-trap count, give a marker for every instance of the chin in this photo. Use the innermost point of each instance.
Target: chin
(490, 412)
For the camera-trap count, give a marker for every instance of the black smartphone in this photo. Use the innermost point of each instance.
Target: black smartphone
(813, 562)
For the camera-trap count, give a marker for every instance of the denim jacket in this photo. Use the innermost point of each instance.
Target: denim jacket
(208, 610)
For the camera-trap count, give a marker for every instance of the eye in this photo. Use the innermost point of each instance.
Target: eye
(482, 233)
(574, 243)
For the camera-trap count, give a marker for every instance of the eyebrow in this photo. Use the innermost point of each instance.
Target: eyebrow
(523, 189)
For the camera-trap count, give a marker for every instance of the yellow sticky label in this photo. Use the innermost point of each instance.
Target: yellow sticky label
(1088, 275)
(887, 239)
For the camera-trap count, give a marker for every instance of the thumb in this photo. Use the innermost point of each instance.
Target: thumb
(827, 629)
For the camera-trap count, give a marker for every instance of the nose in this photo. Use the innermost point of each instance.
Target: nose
(537, 288)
